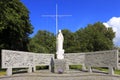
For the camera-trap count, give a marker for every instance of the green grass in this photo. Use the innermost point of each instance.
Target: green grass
(106, 70)
(117, 72)
(2, 73)
(78, 67)
(101, 69)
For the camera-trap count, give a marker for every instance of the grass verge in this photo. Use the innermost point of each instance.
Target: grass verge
(2, 73)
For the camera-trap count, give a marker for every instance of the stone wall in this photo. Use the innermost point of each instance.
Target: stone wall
(43, 59)
(16, 59)
(19, 59)
(102, 59)
(74, 58)
(94, 59)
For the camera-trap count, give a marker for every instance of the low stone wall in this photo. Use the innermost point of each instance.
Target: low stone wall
(16, 59)
(102, 59)
(94, 59)
(74, 58)
(43, 59)
(19, 59)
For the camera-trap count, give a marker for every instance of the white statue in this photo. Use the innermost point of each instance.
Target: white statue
(60, 50)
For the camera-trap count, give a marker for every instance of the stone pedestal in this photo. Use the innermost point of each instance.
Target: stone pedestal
(83, 67)
(59, 65)
(89, 69)
(111, 71)
(9, 72)
(30, 70)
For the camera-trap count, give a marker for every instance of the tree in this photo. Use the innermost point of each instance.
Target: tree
(95, 37)
(15, 25)
(44, 42)
(69, 42)
(81, 41)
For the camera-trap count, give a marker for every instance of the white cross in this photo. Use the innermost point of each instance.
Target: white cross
(56, 17)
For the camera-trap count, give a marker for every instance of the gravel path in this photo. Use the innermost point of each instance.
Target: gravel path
(45, 75)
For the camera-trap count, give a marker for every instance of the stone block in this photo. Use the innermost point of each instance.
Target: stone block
(9, 72)
(111, 71)
(30, 70)
(59, 65)
(89, 69)
(83, 67)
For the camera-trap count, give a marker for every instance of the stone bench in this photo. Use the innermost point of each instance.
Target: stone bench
(19, 59)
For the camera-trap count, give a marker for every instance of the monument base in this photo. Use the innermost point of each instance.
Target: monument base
(60, 54)
(59, 66)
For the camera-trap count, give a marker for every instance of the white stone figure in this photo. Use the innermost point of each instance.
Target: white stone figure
(60, 50)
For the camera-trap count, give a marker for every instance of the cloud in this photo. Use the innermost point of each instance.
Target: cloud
(114, 22)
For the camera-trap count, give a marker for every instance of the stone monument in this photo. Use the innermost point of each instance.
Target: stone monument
(60, 62)
(60, 50)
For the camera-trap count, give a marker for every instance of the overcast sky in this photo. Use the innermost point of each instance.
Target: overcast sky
(83, 12)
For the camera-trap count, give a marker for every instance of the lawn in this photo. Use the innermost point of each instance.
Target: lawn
(106, 70)
(2, 73)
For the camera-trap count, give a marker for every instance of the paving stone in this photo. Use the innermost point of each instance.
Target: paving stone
(72, 75)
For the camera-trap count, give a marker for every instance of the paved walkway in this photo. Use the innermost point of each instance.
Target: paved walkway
(72, 75)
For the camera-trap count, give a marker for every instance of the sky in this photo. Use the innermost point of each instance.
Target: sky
(83, 12)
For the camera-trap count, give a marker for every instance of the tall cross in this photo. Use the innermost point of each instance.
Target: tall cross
(56, 17)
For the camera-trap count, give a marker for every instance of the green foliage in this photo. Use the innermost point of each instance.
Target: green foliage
(15, 25)
(95, 37)
(68, 40)
(43, 42)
